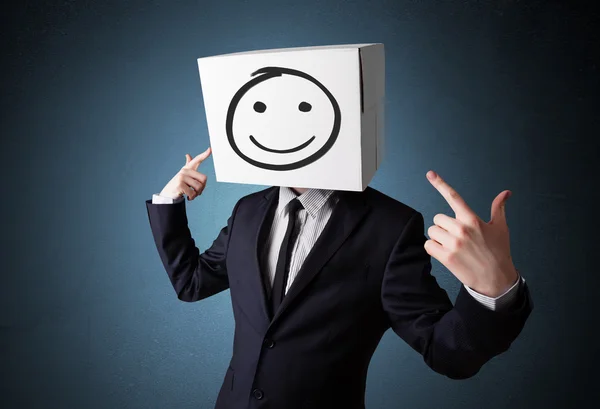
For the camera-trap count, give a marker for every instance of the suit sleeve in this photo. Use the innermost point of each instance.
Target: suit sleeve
(194, 275)
(455, 340)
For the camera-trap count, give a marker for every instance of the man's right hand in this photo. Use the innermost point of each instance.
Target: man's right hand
(188, 181)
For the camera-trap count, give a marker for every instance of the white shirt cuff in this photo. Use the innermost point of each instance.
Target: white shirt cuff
(158, 199)
(496, 303)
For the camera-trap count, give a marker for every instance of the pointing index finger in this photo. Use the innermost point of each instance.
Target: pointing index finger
(194, 163)
(455, 201)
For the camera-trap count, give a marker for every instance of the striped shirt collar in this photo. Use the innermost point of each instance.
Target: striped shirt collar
(312, 200)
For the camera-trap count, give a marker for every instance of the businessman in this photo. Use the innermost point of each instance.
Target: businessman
(316, 278)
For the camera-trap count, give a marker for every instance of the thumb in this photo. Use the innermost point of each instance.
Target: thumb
(188, 158)
(499, 207)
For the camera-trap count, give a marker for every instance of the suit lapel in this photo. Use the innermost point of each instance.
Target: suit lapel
(346, 215)
(262, 223)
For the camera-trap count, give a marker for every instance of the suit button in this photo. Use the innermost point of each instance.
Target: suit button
(258, 394)
(269, 343)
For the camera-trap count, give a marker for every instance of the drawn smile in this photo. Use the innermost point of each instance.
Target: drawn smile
(296, 149)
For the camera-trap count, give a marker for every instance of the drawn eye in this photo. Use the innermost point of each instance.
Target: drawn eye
(260, 107)
(304, 106)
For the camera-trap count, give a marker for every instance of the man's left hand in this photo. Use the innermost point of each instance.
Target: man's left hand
(476, 252)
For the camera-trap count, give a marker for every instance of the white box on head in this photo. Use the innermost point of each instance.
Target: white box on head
(308, 117)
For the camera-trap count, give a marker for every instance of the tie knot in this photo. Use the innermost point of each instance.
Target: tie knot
(294, 206)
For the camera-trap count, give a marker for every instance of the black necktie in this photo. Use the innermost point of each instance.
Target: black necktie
(283, 261)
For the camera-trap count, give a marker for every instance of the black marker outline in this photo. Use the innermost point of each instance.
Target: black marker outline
(270, 72)
(297, 148)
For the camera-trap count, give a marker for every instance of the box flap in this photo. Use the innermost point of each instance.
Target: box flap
(293, 49)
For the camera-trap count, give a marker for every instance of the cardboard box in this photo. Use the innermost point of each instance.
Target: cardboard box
(309, 117)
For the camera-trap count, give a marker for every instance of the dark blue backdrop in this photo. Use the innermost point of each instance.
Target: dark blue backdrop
(100, 102)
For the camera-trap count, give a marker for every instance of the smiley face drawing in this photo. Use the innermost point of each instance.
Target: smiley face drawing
(282, 119)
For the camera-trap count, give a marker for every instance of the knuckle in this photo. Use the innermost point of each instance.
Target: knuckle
(472, 221)
(458, 244)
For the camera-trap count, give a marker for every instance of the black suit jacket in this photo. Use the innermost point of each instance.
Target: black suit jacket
(367, 272)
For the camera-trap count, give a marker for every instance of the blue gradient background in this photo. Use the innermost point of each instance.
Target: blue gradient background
(100, 102)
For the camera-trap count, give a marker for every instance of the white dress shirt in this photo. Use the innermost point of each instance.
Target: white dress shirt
(317, 206)
(311, 220)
